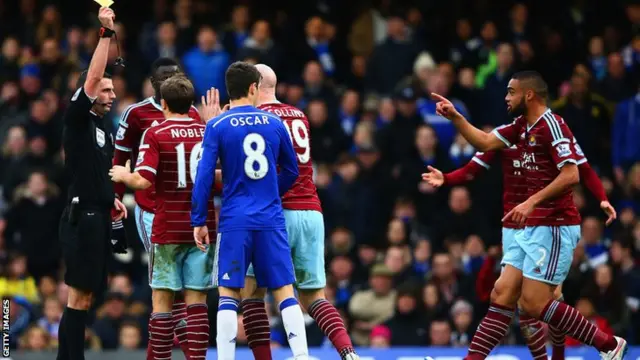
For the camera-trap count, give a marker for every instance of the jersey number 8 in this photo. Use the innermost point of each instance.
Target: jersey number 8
(255, 157)
(194, 159)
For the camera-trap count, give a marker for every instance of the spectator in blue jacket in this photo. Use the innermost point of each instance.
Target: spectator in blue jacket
(207, 63)
(626, 129)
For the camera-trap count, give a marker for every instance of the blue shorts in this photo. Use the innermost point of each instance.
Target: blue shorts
(267, 250)
(511, 252)
(181, 266)
(144, 223)
(545, 252)
(305, 229)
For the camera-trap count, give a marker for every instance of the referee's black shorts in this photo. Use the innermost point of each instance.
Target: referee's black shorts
(86, 249)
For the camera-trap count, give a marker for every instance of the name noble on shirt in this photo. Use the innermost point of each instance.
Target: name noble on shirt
(187, 133)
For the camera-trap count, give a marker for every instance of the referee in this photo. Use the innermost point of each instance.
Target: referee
(85, 225)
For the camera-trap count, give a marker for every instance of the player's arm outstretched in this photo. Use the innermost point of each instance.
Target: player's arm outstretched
(479, 139)
(146, 165)
(467, 173)
(205, 177)
(287, 161)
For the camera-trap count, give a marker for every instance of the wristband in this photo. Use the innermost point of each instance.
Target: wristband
(106, 32)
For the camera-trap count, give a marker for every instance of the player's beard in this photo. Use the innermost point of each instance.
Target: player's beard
(518, 110)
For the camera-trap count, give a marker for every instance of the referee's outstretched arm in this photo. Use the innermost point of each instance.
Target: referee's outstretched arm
(100, 55)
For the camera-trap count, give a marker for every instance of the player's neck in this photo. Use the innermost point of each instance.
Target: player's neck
(535, 113)
(175, 116)
(240, 102)
(268, 99)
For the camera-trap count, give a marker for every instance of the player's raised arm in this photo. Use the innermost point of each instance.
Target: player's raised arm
(205, 177)
(479, 139)
(101, 54)
(287, 161)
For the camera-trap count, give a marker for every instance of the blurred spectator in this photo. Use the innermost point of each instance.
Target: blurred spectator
(462, 315)
(316, 86)
(18, 283)
(451, 284)
(9, 67)
(391, 60)
(617, 85)
(260, 46)
(440, 333)
(36, 210)
(52, 316)
(407, 326)
(369, 308)
(36, 339)
(588, 118)
(494, 110)
(594, 245)
(328, 138)
(625, 148)
(50, 25)
(597, 58)
(165, 44)
(236, 32)
(130, 336)
(607, 298)
(109, 320)
(206, 64)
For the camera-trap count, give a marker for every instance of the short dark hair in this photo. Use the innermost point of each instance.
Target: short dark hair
(532, 80)
(177, 91)
(238, 79)
(83, 78)
(162, 69)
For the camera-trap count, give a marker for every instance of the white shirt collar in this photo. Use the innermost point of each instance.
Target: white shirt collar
(155, 104)
(180, 119)
(548, 111)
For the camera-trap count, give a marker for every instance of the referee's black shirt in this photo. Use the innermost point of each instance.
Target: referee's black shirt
(88, 146)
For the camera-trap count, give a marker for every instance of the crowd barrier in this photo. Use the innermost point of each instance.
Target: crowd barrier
(502, 353)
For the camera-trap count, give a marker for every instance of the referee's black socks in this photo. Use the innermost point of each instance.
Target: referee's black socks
(74, 326)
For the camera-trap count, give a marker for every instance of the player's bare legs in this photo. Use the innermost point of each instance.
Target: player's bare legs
(72, 324)
(495, 324)
(538, 301)
(329, 320)
(197, 326)
(160, 325)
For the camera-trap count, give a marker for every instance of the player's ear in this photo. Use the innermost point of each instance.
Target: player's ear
(163, 104)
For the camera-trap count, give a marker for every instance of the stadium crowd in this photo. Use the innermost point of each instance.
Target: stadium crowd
(408, 264)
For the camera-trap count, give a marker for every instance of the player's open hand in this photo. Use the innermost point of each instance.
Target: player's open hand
(610, 211)
(119, 173)
(445, 108)
(201, 236)
(520, 213)
(211, 105)
(434, 177)
(107, 17)
(120, 210)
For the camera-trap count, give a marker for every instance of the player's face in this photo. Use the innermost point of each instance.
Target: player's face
(515, 99)
(106, 96)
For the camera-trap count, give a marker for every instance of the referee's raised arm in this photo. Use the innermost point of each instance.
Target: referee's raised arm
(86, 223)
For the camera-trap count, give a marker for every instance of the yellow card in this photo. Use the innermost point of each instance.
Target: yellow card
(104, 3)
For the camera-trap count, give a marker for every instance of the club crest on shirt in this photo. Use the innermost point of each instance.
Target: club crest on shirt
(100, 138)
(120, 133)
(532, 140)
(563, 150)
